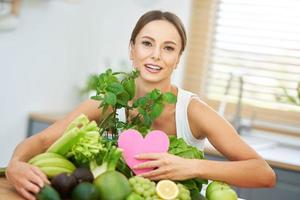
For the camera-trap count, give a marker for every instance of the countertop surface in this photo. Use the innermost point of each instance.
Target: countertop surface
(277, 154)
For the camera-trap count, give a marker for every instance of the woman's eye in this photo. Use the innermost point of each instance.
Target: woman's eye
(146, 43)
(168, 48)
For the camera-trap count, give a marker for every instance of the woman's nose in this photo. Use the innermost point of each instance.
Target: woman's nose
(156, 53)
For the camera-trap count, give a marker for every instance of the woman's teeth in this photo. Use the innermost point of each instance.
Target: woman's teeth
(153, 67)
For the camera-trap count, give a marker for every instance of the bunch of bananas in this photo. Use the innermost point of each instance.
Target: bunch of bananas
(52, 164)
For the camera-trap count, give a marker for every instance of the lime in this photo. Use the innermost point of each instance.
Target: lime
(85, 191)
(48, 193)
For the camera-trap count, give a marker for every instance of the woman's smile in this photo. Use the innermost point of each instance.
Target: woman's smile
(152, 68)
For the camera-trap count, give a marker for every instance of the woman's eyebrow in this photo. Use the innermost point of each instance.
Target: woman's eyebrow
(148, 37)
(170, 42)
(152, 39)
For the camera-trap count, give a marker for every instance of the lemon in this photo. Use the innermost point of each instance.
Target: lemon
(167, 189)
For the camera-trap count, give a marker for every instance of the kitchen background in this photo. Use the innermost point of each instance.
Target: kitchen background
(240, 57)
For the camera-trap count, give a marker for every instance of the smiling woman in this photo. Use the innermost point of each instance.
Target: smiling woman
(156, 46)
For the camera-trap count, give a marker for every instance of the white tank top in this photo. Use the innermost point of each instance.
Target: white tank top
(182, 123)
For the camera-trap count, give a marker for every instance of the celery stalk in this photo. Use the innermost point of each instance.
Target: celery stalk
(66, 141)
(79, 122)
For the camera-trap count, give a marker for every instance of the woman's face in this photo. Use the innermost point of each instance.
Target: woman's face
(156, 51)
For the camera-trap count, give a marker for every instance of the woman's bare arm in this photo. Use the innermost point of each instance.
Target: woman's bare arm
(28, 179)
(246, 168)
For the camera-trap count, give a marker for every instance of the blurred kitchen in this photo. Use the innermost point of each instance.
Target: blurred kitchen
(242, 58)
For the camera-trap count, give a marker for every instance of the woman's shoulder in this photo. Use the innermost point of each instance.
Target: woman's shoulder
(199, 113)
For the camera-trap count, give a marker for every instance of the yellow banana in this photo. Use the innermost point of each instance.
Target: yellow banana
(55, 162)
(44, 156)
(53, 171)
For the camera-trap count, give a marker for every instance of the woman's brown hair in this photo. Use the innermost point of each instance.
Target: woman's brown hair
(159, 15)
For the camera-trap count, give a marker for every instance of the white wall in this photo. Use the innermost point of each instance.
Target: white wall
(57, 44)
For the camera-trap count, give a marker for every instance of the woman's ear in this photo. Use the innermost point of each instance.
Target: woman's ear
(131, 51)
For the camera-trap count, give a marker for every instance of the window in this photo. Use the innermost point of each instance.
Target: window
(249, 48)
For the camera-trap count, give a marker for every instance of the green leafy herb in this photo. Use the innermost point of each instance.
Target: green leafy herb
(115, 90)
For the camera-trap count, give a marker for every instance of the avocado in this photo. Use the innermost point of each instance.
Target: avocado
(64, 184)
(48, 193)
(83, 174)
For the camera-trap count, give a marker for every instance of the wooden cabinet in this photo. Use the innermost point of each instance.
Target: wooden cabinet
(287, 186)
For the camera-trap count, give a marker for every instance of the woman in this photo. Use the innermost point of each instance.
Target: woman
(156, 45)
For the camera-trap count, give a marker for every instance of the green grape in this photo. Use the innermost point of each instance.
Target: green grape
(132, 181)
(184, 193)
(147, 193)
(146, 186)
(143, 187)
(152, 191)
(140, 190)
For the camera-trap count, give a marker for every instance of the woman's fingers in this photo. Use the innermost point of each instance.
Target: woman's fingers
(26, 194)
(149, 164)
(35, 179)
(32, 188)
(153, 173)
(38, 172)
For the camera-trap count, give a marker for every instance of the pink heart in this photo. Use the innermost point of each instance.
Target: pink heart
(133, 143)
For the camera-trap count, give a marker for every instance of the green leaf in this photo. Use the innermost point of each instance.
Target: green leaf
(147, 120)
(101, 80)
(115, 88)
(154, 94)
(97, 98)
(108, 71)
(169, 97)
(129, 86)
(156, 110)
(112, 79)
(142, 102)
(110, 98)
(142, 111)
(123, 98)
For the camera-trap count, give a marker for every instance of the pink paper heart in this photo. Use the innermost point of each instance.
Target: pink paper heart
(133, 143)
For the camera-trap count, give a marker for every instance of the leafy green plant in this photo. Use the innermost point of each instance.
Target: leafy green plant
(116, 90)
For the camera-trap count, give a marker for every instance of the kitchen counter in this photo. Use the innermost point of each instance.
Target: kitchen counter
(7, 192)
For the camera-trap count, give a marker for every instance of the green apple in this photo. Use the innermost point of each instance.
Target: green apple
(223, 194)
(220, 191)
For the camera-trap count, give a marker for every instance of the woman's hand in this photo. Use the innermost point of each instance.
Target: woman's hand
(26, 178)
(166, 166)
